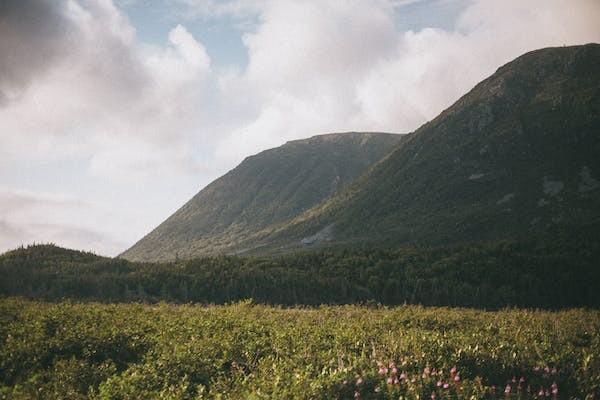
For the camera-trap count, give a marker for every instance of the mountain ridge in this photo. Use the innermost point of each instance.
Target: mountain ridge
(560, 84)
(515, 156)
(265, 189)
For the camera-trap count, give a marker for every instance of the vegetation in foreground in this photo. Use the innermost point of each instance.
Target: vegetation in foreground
(247, 351)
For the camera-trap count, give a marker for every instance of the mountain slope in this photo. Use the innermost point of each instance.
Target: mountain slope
(517, 155)
(266, 189)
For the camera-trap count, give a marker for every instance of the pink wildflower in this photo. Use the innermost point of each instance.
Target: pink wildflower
(446, 385)
(390, 381)
(507, 389)
(439, 384)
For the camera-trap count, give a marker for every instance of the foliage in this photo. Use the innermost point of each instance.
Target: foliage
(553, 273)
(248, 351)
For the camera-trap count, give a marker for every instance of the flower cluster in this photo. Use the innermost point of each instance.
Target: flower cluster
(394, 379)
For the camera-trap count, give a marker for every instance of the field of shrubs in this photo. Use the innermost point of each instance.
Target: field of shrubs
(247, 351)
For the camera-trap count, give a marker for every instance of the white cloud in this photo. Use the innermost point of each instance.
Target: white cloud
(27, 217)
(305, 59)
(341, 65)
(433, 68)
(129, 112)
(109, 90)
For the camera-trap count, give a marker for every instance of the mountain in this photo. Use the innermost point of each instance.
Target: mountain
(518, 155)
(515, 157)
(265, 190)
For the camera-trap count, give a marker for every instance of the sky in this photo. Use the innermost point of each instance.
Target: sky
(114, 113)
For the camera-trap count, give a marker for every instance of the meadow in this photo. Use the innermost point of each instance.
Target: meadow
(69, 350)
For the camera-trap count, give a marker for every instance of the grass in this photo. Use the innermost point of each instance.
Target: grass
(249, 351)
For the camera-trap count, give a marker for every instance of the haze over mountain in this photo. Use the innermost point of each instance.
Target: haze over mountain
(517, 155)
(266, 189)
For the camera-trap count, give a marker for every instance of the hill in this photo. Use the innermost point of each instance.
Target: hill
(47, 254)
(517, 156)
(266, 189)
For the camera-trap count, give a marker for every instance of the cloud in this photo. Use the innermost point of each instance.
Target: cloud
(34, 34)
(305, 59)
(82, 92)
(344, 65)
(433, 68)
(101, 89)
(27, 217)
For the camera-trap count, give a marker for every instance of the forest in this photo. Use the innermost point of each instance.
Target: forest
(548, 273)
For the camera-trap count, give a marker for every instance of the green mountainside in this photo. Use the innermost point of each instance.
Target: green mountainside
(266, 189)
(517, 156)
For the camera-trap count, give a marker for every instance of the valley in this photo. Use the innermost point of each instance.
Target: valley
(457, 261)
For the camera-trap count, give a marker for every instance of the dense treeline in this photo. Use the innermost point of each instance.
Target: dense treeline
(545, 274)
